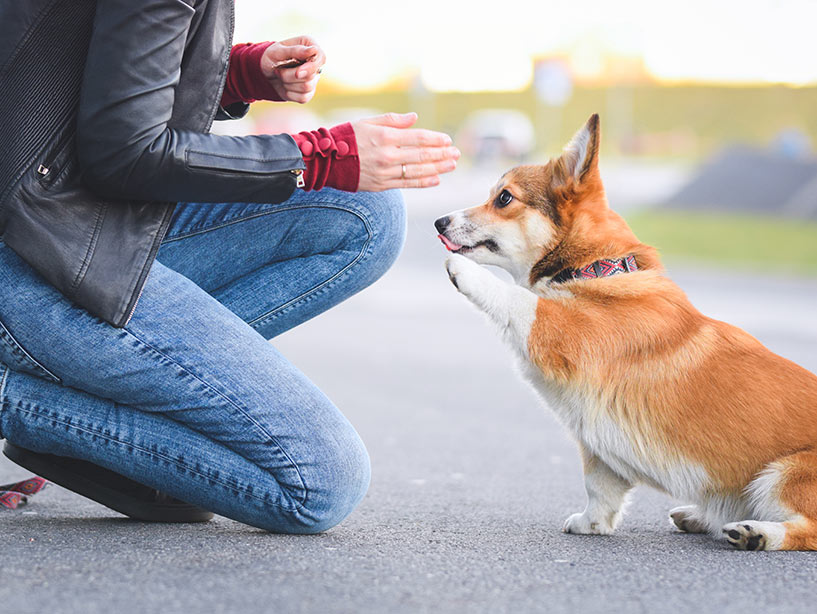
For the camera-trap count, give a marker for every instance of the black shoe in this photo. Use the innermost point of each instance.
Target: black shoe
(112, 490)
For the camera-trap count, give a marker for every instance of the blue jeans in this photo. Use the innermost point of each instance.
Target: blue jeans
(189, 397)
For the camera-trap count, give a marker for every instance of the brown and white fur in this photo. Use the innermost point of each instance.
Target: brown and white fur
(653, 391)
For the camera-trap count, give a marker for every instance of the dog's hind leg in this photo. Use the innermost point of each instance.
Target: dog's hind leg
(787, 491)
(687, 518)
(606, 498)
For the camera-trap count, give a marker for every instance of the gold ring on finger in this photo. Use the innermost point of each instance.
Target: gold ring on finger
(403, 174)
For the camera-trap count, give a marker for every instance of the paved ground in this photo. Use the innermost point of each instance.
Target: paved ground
(472, 480)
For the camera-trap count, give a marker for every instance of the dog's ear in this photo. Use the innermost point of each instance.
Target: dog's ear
(581, 155)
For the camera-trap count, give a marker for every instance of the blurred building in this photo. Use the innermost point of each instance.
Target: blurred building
(776, 180)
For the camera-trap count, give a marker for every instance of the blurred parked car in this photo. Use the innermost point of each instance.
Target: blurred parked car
(496, 134)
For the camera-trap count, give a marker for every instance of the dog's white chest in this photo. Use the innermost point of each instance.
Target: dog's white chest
(633, 453)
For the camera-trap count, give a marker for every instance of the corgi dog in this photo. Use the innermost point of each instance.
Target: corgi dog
(653, 391)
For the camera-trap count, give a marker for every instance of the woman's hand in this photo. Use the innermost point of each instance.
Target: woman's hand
(394, 156)
(293, 84)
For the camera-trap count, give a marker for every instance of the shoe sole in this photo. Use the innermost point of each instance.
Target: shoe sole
(44, 466)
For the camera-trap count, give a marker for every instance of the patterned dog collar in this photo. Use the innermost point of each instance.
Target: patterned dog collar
(599, 268)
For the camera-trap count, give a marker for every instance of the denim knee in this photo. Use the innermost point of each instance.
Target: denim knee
(334, 486)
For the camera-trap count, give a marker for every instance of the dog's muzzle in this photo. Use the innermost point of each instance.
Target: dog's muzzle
(442, 223)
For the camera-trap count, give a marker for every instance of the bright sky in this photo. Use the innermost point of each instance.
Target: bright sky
(470, 46)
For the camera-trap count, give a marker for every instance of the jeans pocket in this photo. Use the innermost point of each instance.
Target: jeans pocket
(16, 358)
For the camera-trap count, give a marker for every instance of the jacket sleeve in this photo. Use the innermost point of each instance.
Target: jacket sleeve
(126, 143)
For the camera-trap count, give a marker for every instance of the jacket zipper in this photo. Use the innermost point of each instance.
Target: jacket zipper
(135, 303)
(44, 170)
(154, 249)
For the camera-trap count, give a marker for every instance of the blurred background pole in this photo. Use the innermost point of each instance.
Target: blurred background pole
(619, 120)
(422, 102)
(554, 87)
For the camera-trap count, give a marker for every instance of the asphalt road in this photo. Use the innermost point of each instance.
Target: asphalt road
(472, 481)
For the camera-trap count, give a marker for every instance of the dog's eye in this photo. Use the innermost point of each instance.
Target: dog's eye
(504, 198)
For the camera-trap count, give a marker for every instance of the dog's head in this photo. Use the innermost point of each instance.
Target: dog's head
(540, 220)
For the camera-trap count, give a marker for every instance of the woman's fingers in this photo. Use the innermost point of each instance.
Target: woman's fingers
(417, 175)
(295, 52)
(302, 87)
(295, 60)
(306, 41)
(419, 137)
(393, 120)
(285, 58)
(301, 49)
(424, 182)
(418, 155)
(299, 92)
(303, 73)
(393, 155)
(311, 68)
(299, 98)
(416, 172)
(420, 182)
(300, 74)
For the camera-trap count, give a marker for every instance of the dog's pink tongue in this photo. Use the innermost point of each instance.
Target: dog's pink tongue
(449, 245)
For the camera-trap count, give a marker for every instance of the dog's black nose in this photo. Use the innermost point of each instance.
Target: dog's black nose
(442, 223)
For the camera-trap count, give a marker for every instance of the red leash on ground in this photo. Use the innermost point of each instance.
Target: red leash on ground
(13, 496)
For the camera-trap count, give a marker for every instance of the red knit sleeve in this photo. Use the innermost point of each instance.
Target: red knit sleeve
(331, 155)
(245, 81)
(331, 158)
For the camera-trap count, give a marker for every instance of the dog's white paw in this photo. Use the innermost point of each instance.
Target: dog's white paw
(582, 524)
(755, 535)
(687, 519)
(467, 276)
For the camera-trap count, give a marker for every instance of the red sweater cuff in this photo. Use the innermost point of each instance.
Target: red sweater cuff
(331, 158)
(245, 81)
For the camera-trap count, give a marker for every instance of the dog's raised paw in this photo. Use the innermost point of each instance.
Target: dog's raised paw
(754, 535)
(463, 273)
(450, 268)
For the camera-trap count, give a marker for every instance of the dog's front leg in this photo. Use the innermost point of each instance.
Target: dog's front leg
(512, 307)
(606, 497)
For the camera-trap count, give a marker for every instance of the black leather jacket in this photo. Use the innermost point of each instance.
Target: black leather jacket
(105, 111)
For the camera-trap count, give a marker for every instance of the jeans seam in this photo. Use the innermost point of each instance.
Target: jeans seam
(199, 229)
(298, 500)
(16, 348)
(324, 285)
(3, 384)
(149, 452)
